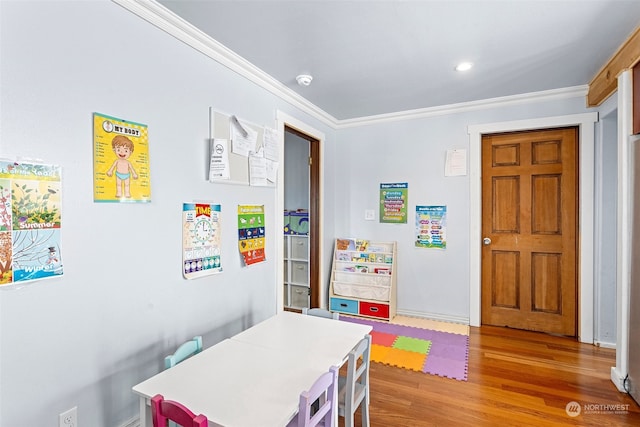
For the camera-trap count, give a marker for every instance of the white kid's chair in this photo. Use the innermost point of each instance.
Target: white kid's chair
(353, 390)
(320, 312)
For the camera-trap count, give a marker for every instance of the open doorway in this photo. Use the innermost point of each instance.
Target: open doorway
(302, 208)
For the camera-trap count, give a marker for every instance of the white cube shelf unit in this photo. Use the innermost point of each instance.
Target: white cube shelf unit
(296, 271)
(363, 278)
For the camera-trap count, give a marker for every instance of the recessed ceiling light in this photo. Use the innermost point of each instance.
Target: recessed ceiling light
(464, 66)
(304, 79)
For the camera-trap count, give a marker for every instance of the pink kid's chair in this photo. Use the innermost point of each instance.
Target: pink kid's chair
(163, 411)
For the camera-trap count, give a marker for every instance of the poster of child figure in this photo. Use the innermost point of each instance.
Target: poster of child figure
(120, 161)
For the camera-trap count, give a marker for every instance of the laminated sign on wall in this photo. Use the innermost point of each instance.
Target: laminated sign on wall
(30, 222)
(120, 161)
(251, 233)
(200, 240)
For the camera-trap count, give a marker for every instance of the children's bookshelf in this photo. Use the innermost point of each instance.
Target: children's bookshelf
(363, 278)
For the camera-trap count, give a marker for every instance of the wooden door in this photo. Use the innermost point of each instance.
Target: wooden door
(529, 226)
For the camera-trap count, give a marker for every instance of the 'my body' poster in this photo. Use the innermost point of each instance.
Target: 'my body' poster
(120, 161)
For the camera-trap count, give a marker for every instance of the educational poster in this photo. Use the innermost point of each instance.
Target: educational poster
(120, 161)
(431, 227)
(251, 233)
(201, 242)
(30, 222)
(393, 203)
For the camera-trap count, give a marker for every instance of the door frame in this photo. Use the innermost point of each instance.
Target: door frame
(586, 135)
(284, 120)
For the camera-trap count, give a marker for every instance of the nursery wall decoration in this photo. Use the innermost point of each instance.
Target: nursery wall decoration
(120, 161)
(431, 227)
(30, 222)
(201, 243)
(393, 203)
(251, 233)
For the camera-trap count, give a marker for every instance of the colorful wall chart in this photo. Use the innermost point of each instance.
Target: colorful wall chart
(393, 203)
(120, 161)
(201, 241)
(431, 227)
(251, 233)
(30, 222)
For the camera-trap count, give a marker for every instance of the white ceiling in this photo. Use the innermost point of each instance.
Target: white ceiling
(376, 57)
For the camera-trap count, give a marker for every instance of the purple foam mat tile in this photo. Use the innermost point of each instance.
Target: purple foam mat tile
(452, 352)
(451, 341)
(443, 367)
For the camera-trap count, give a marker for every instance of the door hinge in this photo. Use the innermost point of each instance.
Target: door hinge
(310, 160)
(309, 291)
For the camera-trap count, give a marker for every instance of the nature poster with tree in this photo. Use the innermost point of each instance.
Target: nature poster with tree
(30, 218)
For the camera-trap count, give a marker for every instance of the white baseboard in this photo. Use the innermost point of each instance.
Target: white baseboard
(433, 316)
(133, 422)
(618, 379)
(605, 344)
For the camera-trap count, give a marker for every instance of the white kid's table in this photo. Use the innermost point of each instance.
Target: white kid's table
(255, 378)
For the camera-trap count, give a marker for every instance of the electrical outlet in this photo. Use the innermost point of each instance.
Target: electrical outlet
(69, 418)
(369, 214)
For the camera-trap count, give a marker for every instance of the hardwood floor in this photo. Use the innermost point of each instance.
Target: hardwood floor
(515, 378)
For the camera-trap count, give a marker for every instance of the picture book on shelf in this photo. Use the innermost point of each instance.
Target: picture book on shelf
(352, 244)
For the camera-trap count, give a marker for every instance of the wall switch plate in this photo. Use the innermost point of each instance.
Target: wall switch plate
(69, 418)
(369, 215)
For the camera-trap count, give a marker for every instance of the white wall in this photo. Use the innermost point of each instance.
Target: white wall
(296, 174)
(431, 283)
(605, 241)
(85, 339)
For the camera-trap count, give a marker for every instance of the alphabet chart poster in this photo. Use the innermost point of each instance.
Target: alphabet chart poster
(200, 240)
(251, 233)
(120, 161)
(30, 222)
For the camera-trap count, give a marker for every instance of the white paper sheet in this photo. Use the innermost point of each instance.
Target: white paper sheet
(456, 163)
(270, 139)
(257, 169)
(272, 170)
(239, 143)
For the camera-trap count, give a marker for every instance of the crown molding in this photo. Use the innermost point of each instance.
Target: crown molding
(158, 15)
(503, 101)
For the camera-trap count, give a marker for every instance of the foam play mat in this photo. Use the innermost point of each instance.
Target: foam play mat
(430, 351)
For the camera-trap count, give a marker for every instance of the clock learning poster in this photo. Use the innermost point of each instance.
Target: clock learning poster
(120, 161)
(200, 240)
